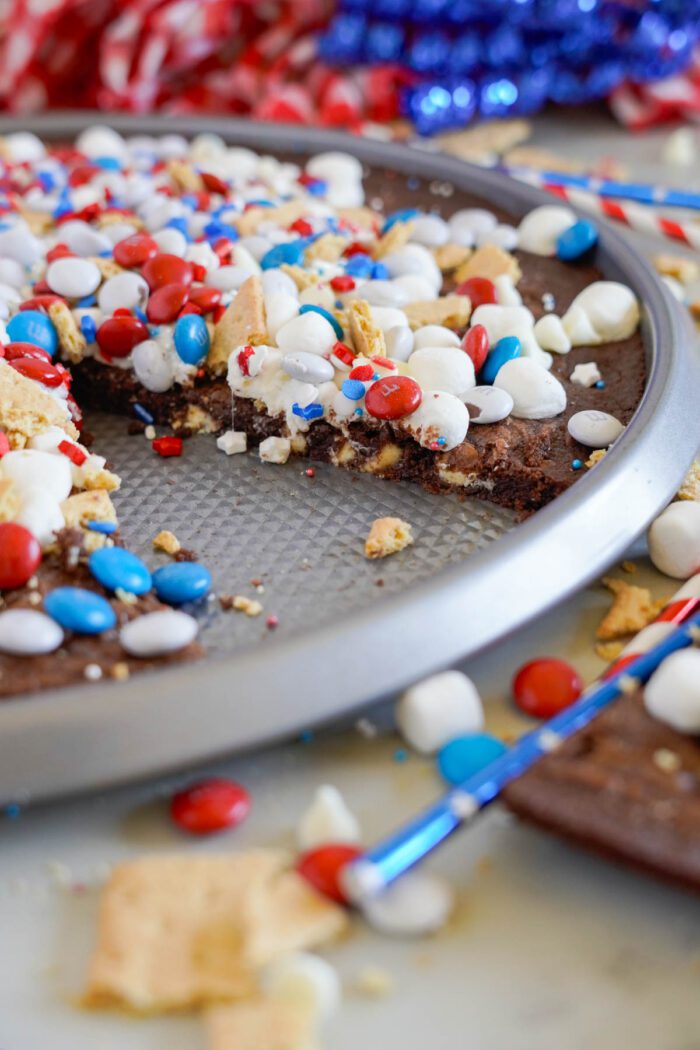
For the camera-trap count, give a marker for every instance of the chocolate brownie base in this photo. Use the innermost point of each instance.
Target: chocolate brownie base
(67, 665)
(627, 787)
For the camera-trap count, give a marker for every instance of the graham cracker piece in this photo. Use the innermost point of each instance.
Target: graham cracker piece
(260, 1024)
(363, 218)
(690, 489)
(327, 248)
(677, 266)
(71, 339)
(10, 500)
(39, 222)
(184, 177)
(387, 536)
(283, 215)
(94, 505)
(609, 651)
(489, 261)
(595, 457)
(243, 324)
(495, 136)
(26, 409)
(395, 238)
(101, 479)
(632, 609)
(450, 256)
(115, 218)
(367, 337)
(179, 932)
(167, 542)
(542, 160)
(452, 311)
(302, 278)
(107, 267)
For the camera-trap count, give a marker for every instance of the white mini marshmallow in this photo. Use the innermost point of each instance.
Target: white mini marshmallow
(388, 317)
(32, 469)
(280, 307)
(502, 321)
(674, 540)
(307, 981)
(383, 293)
(417, 289)
(73, 277)
(415, 905)
(124, 291)
(28, 632)
(158, 633)
(502, 236)
(334, 166)
(275, 450)
(328, 819)
(595, 428)
(440, 422)
(153, 366)
(429, 230)
(232, 442)
(442, 368)
(435, 335)
(551, 334)
(414, 259)
(399, 342)
(539, 230)
(536, 393)
(100, 141)
(438, 709)
(611, 309)
(41, 513)
(672, 694)
(277, 281)
(12, 273)
(24, 147)
(227, 278)
(467, 225)
(309, 332)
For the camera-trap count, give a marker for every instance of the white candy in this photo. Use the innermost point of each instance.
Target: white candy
(119, 231)
(503, 236)
(19, 244)
(275, 450)
(594, 428)
(551, 334)
(539, 230)
(73, 278)
(469, 223)
(438, 709)
(611, 309)
(101, 141)
(203, 255)
(415, 905)
(41, 513)
(417, 288)
(158, 633)
(442, 368)
(277, 281)
(83, 239)
(280, 307)
(488, 404)
(435, 335)
(506, 292)
(429, 230)
(383, 293)
(387, 317)
(153, 366)
(414, 259)
(33, 469)
(501, 321)
(674, 540)
(12, 273)
(307, 981)
(440, 415)
(399, 342)
(672, 694)
(536, 393)
(327, 819)
(24, 147)
(335, 166)
(232, 442)
(310, 332)
(227, 278)
(9, 295)
(309, 368)
(28, 632)
(171, 241)
(586, 374)
(124, 291)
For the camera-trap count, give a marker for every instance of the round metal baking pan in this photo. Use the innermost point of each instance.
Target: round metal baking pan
(445, 609)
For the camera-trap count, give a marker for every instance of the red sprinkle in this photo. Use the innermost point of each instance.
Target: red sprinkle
(362, 372)
(59, 251)
(199, 272)
(302, 227)
(75, 454)
(383, 362)
(343, 283)
(213, 183)
(322, 868)
(393, 397)
(20, 555)
(4, 443)
(355, 248)
(210, 805)
(243, 359)
(310, 472)
(544, 687)
(343, 353)
(272, 621)
(476, 345)
(479, 290)
(218, 312)
(167, 446)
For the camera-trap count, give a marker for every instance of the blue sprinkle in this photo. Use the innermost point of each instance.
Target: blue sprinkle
(106, 253)
(441, 441)
(317, 187)
(412, 183)
(61, 209)
(379, 272)
(309, 308)
(190, 202)
(214, 231)
(107, 163)
(87, 301)
(576, 464)
(262, 203)
(47, 181)
(359, 265)
(80, 610)
(153, 331)
(308, 412)
(115, 567)
(400, 755)
(306, 736)
(353, 389)
(185, 581)
(88, 328)
(466, 755)
(339, 304)
(105, 527)
(180, 223)
(13, 811)
(600, 384)
(359, 412)
(403, 215)
(142, 413)
(138, 312)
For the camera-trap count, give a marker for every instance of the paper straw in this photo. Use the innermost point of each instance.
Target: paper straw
(385, 862)
(642, 193)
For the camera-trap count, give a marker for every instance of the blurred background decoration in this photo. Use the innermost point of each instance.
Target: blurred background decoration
(440, 64)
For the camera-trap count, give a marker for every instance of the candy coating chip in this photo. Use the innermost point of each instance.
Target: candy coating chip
(183, 932)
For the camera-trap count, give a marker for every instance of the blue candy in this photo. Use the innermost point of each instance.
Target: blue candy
(31, 326)
(184, 581)
(308, 412)
(191, 338)
(506, 349)
(76, 609)
(403, 215)
(88, 328)
(105, 527)
(115, 567)
(291, 253)
(359, 265)
(353, 389)
(108, 163)
(466, 755)
(380, 272)
(310, 308)
(577, 240)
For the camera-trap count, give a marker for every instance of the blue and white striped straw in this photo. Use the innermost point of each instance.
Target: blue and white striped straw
(378, 867)
(643, 193)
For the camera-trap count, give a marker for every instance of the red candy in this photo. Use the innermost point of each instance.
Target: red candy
(476, 345)
(321, 867)
(40, 302)
(343, 353)
(211, 805)
(135, 250)
(544, 687)
(74, 454)
(393, 397)
(20, 555)
(166, 302)
(362, 372)
(167, 446)
(479, 290)
(15, 350)
(342, 283)
(34, 368)
(204, 297)
(117, 336)
(213, 183)
(60, 251)
(166, 269)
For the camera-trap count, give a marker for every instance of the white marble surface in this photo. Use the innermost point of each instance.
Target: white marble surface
(549, 949)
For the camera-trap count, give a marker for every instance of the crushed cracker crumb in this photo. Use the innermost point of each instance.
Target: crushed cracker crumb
(387, 536)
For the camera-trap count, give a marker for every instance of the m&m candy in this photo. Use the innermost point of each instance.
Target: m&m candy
(479, 290)
(393, 397)
(544, 687)
(32, 326)
(117, 336)
(191, 338)
(165, 269)
(20, 555)
(80, 610)
(119, 569)
(476, 345)
(506, 349)
(135, 250)
(210, 805)
(166, 302)
(322, 867)
(466, 755)
(185, 581)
